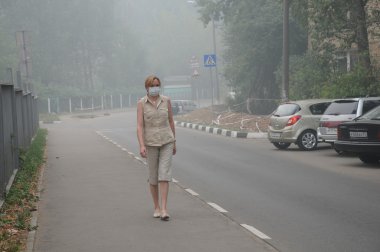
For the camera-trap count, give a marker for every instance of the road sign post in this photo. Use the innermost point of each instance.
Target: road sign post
(209, 60)
(194, 65)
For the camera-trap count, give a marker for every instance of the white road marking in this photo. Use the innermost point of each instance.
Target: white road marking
(191, 192)
(220, 209)
(252, 229)
(256, 232)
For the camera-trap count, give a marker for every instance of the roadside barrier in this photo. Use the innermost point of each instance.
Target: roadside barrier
(87, 103)
(18, 125)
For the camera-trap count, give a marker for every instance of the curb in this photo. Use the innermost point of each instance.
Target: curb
(34, 220)
(223, 132)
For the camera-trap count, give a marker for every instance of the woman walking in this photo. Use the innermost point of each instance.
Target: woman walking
(156, 136)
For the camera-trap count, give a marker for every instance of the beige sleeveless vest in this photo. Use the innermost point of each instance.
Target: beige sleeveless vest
(157, 131)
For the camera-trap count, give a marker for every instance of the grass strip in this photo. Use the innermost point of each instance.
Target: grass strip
(48, 118)
(21, 201)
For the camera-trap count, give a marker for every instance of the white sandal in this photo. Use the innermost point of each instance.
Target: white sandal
(157, 214)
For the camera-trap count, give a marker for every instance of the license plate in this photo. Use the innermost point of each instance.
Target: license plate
(331, 131)
(358, 134)
(275, 135)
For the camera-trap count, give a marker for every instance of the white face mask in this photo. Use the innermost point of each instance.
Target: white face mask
(154, 91)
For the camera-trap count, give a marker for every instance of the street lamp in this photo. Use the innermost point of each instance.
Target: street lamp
(285, 52)
(216, 65)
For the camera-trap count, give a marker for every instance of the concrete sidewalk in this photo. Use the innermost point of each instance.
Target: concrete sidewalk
(95, 198)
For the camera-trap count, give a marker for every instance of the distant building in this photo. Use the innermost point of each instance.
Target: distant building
(346, 59)
(178, 87)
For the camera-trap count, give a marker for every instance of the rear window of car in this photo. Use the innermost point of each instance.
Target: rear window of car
(368, 105)
(287, 109)
(373, 114)
(343, 107)
(319, 108)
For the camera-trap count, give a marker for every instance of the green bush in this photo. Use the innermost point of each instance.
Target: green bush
(352, 84)
(21, 200)
(307, 74)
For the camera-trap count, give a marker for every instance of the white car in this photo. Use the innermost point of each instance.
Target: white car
(343, 110)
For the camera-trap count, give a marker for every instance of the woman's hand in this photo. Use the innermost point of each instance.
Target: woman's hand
(174, 149)
(143, 151)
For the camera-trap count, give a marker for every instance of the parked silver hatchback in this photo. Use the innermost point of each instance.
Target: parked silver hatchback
(296, 122)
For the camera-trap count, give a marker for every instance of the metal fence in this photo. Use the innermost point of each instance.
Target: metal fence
(18, 125)
(88, 103)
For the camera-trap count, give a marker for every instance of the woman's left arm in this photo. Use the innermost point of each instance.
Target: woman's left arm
(171, 123)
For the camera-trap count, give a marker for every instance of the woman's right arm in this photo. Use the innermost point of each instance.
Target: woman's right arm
(140, 128)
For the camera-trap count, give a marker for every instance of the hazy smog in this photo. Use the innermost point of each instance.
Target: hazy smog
(190, 125)
(98, 46)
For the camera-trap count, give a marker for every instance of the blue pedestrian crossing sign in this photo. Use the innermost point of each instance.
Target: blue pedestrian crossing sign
(209, 60)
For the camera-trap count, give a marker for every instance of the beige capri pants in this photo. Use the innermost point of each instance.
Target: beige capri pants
(159, 159)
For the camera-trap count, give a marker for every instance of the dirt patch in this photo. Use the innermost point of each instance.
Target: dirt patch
(221, 117)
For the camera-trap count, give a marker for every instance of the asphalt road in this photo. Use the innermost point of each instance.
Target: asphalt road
(304, 201)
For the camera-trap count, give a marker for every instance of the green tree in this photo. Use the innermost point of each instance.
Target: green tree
(76, 45)
(253, 36)
(339, 25)
(308, 73)
(336, 27)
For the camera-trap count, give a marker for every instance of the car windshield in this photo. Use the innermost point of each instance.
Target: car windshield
(373, 114)
(342, 107)
(287, 109)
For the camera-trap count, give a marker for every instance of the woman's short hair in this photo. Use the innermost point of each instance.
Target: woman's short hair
(149, 81)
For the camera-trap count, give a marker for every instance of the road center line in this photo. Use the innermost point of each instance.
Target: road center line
(256, 232)
(220, 209)
(251, 229)
(191, 192)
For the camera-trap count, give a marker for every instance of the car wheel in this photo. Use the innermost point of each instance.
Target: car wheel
(281, 145)
(307, 140)
(369, 159)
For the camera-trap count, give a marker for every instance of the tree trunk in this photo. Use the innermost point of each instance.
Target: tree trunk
(361, 33)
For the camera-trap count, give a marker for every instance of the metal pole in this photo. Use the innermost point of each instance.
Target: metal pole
(10, 73)
(70, 107)
(216, 66)
(212, 88)
(19, 80)
(49, 108)
(285, 51)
